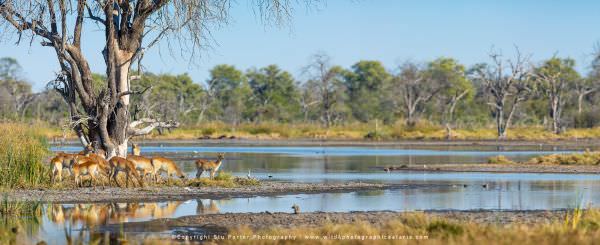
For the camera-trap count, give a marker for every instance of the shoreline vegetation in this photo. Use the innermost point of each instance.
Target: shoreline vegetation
(577, 226)
(352, 131)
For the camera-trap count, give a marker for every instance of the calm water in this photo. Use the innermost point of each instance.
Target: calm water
(339, 163)
(456, 191)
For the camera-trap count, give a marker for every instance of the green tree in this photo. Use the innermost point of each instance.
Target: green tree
(450, 75)
(274, 94)
(179, 98)
(327, 90)
(229, 90)
(15, 93)
(366, 84)
(553, 79)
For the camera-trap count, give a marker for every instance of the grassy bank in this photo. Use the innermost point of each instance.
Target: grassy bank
(585, 158)
(578, 227)
(360, 131)
(23, 151)
(352, 131)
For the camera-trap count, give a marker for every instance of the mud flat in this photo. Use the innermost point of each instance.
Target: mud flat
(146, 194)
(499, 168)
(220, 223)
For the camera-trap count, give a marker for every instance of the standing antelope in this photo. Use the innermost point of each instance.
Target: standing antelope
(162, 164)
(87, 149)
(102, 163)
(89, 167)
(142, 164)
(119, 164)
(135, 150)
(59, 162)
(206, 165)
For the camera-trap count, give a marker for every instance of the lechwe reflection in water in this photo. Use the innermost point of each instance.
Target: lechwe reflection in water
(96, 214)
(207, 207)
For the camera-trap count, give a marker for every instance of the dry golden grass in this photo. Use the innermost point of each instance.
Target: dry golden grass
(585, 158)
(500, 159)
(358, 131)
(579, 227)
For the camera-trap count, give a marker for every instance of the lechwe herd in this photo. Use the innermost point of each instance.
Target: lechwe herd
(91, 164)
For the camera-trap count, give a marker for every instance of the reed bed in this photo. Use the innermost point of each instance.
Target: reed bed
(23, 151)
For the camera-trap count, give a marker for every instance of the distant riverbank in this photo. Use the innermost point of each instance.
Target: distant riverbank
(349, 132)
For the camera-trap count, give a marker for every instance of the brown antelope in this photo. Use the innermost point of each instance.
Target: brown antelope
(59, 162)
(142, 164)
(90, 167)
(162, 164)
(119, 164)
(102, 163)
(87, 149)
(206, 165)
(136, 150)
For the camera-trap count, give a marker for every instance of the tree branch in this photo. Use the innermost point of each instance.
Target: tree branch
(152, 124)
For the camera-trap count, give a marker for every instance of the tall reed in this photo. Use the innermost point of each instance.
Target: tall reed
(23, 151)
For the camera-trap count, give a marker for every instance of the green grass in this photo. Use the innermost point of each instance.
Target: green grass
(23, 151)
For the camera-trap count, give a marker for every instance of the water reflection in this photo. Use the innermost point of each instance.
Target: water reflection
(60, 223)
(313, 160)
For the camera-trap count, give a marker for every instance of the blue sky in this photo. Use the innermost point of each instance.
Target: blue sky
(385, 30)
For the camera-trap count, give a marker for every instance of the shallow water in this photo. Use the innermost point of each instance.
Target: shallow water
(503, 192)
(339, 163)
(456, 191)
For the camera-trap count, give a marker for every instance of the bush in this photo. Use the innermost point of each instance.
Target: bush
(23, 151)
(208, 131)
(499, 160)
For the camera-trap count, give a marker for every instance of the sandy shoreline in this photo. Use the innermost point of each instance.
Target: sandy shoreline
(147, 194)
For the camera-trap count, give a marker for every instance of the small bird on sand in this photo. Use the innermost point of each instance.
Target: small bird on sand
(485, 186)
(296, 208)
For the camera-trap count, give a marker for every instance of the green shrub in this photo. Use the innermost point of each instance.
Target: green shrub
(208, 131)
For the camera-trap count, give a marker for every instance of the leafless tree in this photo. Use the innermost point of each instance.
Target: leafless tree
(507, 82)
(325, 86)
(415, 89)
(130, 27)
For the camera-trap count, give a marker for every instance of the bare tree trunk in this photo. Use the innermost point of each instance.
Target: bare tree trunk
(580, 103)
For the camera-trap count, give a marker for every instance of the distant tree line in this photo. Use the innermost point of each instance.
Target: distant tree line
(503, 92)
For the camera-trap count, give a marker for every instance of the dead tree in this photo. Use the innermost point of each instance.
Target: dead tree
(415, 88)
(129, 27)
(507, 82)
(325, 81)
